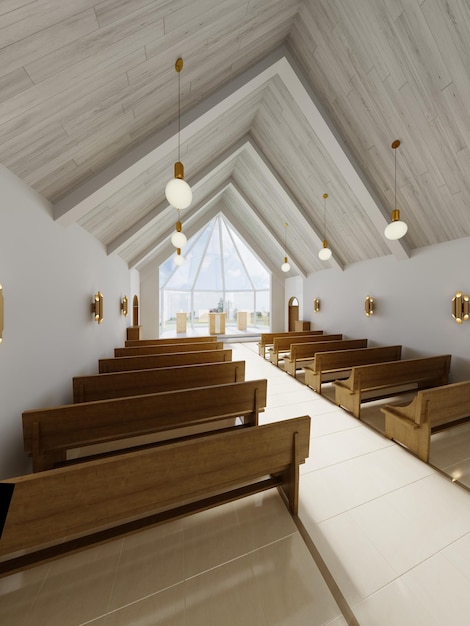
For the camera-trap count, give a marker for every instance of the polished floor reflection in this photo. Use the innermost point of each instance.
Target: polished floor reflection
(393, 532)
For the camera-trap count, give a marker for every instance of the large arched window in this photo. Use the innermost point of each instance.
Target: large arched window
(220, 273)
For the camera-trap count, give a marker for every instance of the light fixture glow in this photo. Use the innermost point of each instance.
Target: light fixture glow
(325, 253)
(285, 267)
(177, 191)
(179, 259)
(178, 238)
(397, 228)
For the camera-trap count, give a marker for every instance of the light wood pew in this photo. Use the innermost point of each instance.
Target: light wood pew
(302, 354)
(151, 361)
(429, 411)
(64, 510)
(281, 345)
(129, 343)
(49, 433)
(266, 339)
(377, 380)
(139, 382)
(169, 348)
(328, 366)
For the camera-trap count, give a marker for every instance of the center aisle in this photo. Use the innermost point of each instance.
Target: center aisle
(392, 531)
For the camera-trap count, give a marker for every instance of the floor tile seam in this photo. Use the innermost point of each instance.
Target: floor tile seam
(365, 502)
(115, 574)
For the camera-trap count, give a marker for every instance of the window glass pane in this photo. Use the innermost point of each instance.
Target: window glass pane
(259, 276)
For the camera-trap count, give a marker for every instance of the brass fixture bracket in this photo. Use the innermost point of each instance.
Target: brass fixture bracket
(316, 305)
(97, 307)
(125, 306)
(460, 308)
(369, 306)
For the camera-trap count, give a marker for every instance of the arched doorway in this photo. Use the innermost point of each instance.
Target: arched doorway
(293, 312)
(135, 311)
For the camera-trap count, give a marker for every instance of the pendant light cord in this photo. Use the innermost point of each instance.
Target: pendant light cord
(179, 115)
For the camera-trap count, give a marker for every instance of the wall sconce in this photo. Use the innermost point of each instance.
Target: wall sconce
(316, 305)
(369, 306)
(125, 306)
(1, 313)
(460, 307)
(97, 307)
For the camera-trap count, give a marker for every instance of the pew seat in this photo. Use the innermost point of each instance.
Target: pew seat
(139, 382)
(63, 510)
(50, 433)
(303, 354)
(333, 365)
(429, 411)
(381, 379)
(152, 361)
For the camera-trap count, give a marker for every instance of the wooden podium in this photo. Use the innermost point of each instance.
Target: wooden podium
(300, 325)
(242, 320)
(181, 322)
(216, 323)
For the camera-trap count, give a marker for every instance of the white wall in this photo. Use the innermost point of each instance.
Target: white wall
(150, 303)
(412, 300)
(49, 275)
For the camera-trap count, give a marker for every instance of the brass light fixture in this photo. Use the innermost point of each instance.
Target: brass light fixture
(369, 306)
(397, 228)
(325, 253)
(316, 305)
(179, 258)
(1, 313)
(97, 307)
(177, 191)
(285, 267)
(125, 306)
(460, 308)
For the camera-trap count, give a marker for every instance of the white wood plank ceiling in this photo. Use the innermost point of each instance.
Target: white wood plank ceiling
(281, 100)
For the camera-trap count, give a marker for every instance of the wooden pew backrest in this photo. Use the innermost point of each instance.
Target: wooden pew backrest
(266, 339)
(129, 491)
(152, 361)
(139, 382)
(150, 342)
(423, 372)
(167, 348)
(281, 345)
(301, 354)
(49, 433)
(429, 410)
(331, 363)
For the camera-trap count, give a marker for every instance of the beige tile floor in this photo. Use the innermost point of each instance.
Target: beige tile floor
(393, 532)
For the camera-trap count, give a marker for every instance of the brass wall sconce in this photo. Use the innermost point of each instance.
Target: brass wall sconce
(316, 305)
(125, 306)
(1, 313)
(460, 307)
(369, 306)
(97, 307)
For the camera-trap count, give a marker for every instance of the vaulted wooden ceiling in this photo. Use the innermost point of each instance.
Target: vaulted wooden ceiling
(281, 101)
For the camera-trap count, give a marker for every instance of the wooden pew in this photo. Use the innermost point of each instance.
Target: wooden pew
(152, 361)
(169, 348)
(281, 345)
(302, 354)
(63, 510)
(151, 342)
(139, 382)
(377, 380)
(266, 339)
(328, 366)
(49, 433)
(430, 410)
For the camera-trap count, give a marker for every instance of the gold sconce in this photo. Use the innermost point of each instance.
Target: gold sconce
(97, 307)
(1, 313)
(369, 306)
(460, 307)
(316, 305)
(125, 306)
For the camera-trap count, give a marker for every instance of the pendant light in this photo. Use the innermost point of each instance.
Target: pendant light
(397, 228)
(285, 267)
(179, 258)
(178, 192)
(325, 253)
(178, 238)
